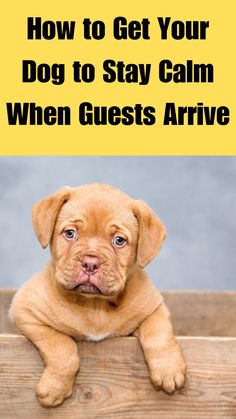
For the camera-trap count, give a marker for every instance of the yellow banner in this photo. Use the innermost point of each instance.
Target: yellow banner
(120, 78)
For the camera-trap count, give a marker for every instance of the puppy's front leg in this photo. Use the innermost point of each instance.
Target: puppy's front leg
(61, 358)
(161, 351)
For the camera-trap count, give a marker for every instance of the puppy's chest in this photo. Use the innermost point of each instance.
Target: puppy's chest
(94, 328)
(96, 337)
(94, 325)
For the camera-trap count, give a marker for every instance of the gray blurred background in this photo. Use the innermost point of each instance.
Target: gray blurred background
(194, 196)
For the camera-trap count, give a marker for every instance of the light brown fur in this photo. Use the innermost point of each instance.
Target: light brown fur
(121, 300)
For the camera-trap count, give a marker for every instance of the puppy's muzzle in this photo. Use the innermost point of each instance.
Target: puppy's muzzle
(88, 280)
(90, 264)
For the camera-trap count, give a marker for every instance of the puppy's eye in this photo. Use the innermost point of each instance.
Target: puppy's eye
(70, 234)
(119, 241)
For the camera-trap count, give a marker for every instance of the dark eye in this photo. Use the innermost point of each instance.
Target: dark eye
(70, 234)
(119, 241)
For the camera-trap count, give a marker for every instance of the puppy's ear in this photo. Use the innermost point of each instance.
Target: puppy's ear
(44, 214)
(152, 233)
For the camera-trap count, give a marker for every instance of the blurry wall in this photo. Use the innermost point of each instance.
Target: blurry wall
(194, 196)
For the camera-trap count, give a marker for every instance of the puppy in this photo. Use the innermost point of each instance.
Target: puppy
(95, 286)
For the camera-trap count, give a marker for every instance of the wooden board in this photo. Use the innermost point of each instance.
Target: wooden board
(202, 313)
(6, 296)
(194, 313)
(113, 382)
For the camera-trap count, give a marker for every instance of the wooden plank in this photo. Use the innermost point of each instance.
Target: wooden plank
(194, 313)
(113, 382)
(6, 295)
(202, 313)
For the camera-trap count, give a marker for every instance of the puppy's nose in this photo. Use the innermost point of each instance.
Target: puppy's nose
(90, 264)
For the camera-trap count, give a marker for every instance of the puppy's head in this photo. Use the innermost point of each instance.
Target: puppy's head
(97, 234)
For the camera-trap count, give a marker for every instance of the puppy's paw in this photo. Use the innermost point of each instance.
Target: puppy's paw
(169, 372)
(52, 390)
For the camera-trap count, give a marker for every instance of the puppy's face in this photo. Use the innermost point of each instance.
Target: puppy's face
(97, 235)
(94, 242)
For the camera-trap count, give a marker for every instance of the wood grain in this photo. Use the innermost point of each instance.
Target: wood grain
(202, 313)
(113, 382)
(194, 313)
(6, 296)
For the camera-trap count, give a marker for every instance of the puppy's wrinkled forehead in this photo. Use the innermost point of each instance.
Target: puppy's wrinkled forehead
(97, 209)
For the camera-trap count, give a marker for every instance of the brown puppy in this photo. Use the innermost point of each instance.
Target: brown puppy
(95, 287)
